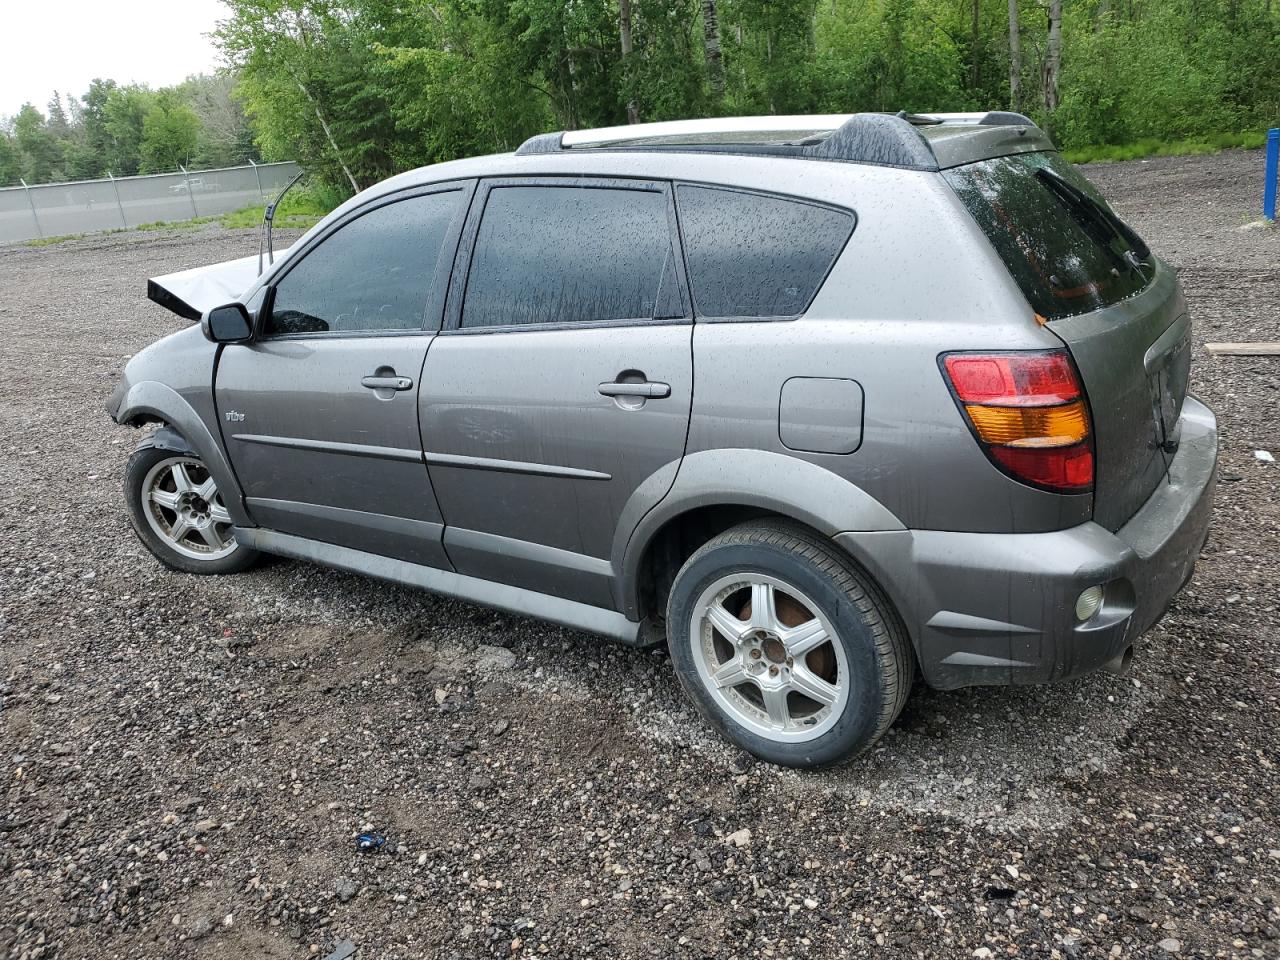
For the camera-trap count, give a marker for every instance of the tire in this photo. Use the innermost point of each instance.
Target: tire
(754, 675)
(150, 479)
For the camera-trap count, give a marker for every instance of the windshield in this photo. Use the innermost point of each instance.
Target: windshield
(1063, 244)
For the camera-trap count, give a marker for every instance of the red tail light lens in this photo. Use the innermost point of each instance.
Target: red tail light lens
(1066, 469)
(1028, 412)
(1012, 379)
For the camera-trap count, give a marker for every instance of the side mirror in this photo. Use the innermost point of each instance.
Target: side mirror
(230, 323)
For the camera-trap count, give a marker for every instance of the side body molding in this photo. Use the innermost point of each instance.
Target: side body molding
(152, 400)
(782, 484)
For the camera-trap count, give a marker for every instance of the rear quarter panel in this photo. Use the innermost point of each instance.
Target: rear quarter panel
(917, 278)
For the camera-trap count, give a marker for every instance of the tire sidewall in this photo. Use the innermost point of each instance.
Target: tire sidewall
(140, 465)
(856, 727)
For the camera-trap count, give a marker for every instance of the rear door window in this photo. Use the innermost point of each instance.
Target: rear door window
(1066, 249)
(571, 254)
(755, 255)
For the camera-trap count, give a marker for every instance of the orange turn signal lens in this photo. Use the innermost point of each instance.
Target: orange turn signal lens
(1057, 426)
(1029, 413)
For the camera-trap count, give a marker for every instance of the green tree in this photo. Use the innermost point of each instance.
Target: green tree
(40, 157)
(671, 75)
(97, 141)
(769, 49)
(226, 136)
(456, 87)
(305, 65)
(357, 90)
(57, 123)
(124, 113)
(890, 55)
(10, 168)
(170, 131)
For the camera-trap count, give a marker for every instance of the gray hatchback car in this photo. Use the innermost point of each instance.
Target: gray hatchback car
(825, 402)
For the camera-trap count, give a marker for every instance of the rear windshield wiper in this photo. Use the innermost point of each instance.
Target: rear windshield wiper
(1079, 202)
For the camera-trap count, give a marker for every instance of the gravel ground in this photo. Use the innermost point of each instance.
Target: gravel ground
(186, 761)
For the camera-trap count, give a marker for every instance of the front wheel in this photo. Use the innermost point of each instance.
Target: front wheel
(178, 514)
(786, 647)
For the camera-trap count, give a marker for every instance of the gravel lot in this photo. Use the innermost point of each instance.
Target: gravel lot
(186, 761)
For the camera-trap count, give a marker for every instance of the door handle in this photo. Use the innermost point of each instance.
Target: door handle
(647, 389)
(386, 383)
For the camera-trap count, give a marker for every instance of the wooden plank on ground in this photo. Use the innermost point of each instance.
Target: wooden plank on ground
(1262, 348)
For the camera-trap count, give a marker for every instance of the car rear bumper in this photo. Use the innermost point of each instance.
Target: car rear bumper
(999, 608)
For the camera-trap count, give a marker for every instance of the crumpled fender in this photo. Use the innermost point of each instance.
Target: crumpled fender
(183, 430)
(167, 438)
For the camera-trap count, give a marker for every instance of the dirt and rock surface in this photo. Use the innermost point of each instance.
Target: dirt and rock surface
(186, 762)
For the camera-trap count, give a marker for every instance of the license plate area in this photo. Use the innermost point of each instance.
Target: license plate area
(1168, 368)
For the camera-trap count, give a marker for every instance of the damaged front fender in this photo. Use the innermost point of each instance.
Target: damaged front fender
(167, 438)
(171, 383)
(184, 431)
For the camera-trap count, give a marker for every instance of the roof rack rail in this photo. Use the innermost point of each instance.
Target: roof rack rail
(880, 139)
(541, 143)
(985, 118)
(877, 138)
(1006, 118)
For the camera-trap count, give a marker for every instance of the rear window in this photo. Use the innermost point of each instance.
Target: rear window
(1063, 245)
(752, 255)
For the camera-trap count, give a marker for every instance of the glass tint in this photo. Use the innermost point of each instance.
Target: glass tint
(757, 256)
(373, 274)
(571, 254)
(1065, 248)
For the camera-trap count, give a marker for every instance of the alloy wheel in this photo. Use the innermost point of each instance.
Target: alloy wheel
(769, 657)
(183, 507)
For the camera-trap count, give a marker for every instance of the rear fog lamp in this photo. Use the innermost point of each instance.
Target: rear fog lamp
(1089, 603)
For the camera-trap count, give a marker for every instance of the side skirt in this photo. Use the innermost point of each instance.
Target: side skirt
(526, 603)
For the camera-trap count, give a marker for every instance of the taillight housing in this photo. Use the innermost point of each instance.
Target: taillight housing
(1027, 410)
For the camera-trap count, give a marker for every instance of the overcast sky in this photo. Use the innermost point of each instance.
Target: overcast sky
(48, 45)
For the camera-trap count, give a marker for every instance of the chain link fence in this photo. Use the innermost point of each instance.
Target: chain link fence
(57, 209)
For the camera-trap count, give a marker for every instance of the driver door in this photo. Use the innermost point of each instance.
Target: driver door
(319, 413)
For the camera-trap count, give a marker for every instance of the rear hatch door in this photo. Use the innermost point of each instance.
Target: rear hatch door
(1093, 282)
(1134, 358)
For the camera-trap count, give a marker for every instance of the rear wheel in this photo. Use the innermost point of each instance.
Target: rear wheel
(179, 515)
(788, 648)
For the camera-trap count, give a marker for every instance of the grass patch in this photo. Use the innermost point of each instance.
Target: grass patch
(1151, 147)
(252, 217)
(50, 241)
(154, 225)
(175, 224)
(301, 207)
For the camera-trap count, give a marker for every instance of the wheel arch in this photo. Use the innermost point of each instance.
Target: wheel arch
(165, 438)
(182, 430)
(717, 489)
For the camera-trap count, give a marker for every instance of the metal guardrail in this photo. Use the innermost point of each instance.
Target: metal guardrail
(84, 206)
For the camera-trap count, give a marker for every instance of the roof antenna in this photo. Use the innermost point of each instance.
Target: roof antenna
(268, 219)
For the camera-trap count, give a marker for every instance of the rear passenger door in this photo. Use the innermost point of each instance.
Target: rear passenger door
(562, 381)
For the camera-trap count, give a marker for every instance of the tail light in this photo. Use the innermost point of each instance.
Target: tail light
(1028, 411)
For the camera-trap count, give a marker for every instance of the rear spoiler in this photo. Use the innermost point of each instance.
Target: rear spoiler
(189, 293)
